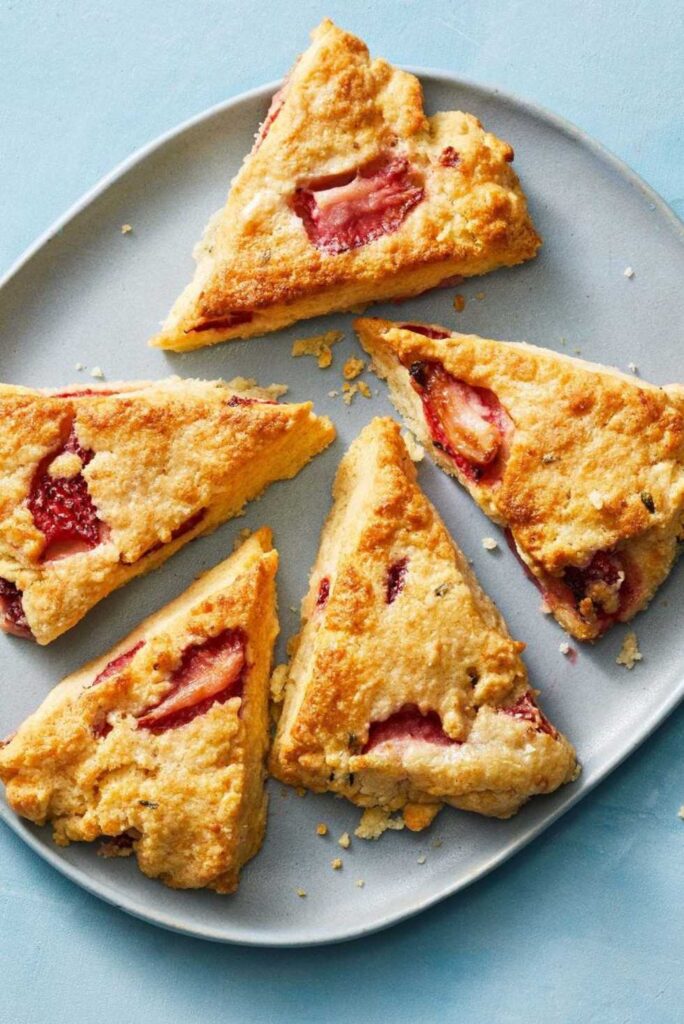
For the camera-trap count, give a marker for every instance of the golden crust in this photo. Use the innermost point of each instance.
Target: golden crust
(340, 111)
(595, 463)
(439, 645)
(163, 452)
(192, 795)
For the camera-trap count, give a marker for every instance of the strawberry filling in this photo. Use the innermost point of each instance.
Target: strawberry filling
(428, 332)
(525, 708)
(218, 324)
(274, 109)
(190, 523)
(243, 400)
(602, 592)
(342, 212)
(409, 723)
(12, 610)
(101, 726)
(468, 423)
(323, 592)
(396, 577)
(449, 157)
(62, 508)
(210, 672)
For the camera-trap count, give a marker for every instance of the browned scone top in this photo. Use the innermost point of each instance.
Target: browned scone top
(98, 485)
(158, 746)
(349, 132)
(406, 690)
(587, 472)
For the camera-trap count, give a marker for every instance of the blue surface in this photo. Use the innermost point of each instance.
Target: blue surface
(586, 924)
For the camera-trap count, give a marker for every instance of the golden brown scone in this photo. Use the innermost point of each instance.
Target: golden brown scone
(406, 690)
(582, 465)
(98, 485)
(159, 745)
(350, 195)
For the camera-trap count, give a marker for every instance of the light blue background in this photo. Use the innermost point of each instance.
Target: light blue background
(586, 925)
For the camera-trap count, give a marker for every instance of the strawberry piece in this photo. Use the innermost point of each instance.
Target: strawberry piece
(525, 708)
(243, 400)
(323, 592)
(83, 393)
(468, 423)
(428, 332)
(62, 508)
(13, 616)
(396, 577)
(274, 109)
(409, 723)
(449, 157)
(342, 212)
(210, 672)
(116, 664)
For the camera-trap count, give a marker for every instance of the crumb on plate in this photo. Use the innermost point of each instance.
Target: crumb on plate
(344, 841)
(321, 829)
(489, 543)
(415, 450)
(352, 368)
(376, 820)
(629, 652)
(336, 863)
(459, 303)
(319, 346)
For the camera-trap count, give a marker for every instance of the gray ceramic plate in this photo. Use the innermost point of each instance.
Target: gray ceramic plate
(86, 293)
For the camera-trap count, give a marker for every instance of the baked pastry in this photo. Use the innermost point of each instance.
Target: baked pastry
(350, 195)
(406, 690)
(159, 745)
(98, 485)
(582, 465)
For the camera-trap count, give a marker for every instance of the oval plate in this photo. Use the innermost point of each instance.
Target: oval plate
(85, 293)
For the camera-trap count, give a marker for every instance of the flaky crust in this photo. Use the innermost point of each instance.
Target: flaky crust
(163, 452)
(440, 645)
(193, 795)
(341, 110)
(596, 459)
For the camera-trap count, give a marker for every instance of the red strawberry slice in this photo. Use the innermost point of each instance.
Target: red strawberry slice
(12, 610)
(396, 577)
(323, 592)
(117, 664)
(409, 723)
(426, 330)
(62, 508)
(468, 423)
(209, 672)
(526, 709)
(219, 323)
(342, 212)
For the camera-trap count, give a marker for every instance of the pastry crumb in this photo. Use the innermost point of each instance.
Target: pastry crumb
(415, 450)
(349, 390)
(300, 791)
(336, 863)
(632, 367)
(301, 893)
(321, 829)
(629, 652)
(98, 372)
(79, 366)
(544, 608)
(489, 543)
(319, 346)
(564, 648)
(628, 272)
(126, 229)
(278, 682)
(360, 883)
(375, 821)
(421, 859)
(333, 394)
(596, 500)
(436, 843)
(251, 389)
(479, 296)
(352, 368)
(344, 841)
(459, 303)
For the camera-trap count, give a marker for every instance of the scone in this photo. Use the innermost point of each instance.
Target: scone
(406, 691)
(98, 485)
(350, 195)
(159, 745)
(582, 465)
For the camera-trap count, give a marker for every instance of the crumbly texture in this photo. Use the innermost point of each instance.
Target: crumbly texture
(440, 645)
(629, 653)
(319, 346)
(353, 368)
(163, 452)
(337, 112)
(595, 461)
(191, 798)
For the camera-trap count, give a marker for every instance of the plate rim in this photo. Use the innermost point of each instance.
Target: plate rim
(110, 893)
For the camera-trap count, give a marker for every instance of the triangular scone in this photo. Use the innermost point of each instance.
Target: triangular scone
(98, 485)
(406, 690)
(350, 195)
(581, 464)
(159, 745)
